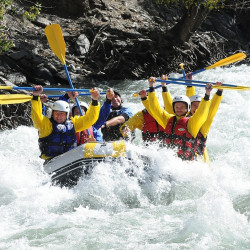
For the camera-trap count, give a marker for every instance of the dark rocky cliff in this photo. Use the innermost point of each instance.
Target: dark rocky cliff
(110, 40)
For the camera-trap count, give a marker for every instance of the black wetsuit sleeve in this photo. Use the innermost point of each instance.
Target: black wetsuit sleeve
(219, 92)
(164, 89)
(94, 102)
(206, 98)
(151, 89)
(126, 116)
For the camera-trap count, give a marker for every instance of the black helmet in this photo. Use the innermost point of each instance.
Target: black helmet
(116, 93)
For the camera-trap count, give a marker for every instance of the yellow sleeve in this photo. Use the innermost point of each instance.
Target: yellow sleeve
(206, 156)
(215, 102)
(168, 102)
(84, 122)
(40, 122)
(158, 113)
(190, 91)
(135, 122)
(147, 107)
(196, 121)
(146, 104)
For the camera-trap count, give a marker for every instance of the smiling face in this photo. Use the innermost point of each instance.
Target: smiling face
(77, 111)
(194, 106)
(116, 101)
(59, 116)
(180, 108)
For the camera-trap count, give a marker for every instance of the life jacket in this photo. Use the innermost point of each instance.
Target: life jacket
(200, 144)
(61, 140)
(177, 136)
(112, 133)
(151, 130)
(83, 136)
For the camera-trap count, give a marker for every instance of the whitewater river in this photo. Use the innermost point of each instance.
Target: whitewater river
(178, 206)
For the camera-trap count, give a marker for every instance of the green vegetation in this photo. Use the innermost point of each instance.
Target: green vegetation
(5, 43)
(210, 4)
(33, 12)
(194, 14)
(5, 5)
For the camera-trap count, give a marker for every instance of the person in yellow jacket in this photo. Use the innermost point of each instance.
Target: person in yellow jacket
(195, 101)
(57, 134)
(142, 120)
(202, 135)
(167, 98)
(180, 130)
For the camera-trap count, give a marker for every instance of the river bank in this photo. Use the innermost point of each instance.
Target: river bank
(110, 41)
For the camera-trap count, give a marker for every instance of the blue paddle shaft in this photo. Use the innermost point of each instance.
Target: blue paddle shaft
(81, 94)
(189, 82)
(183, 73)
(52, 89)
(180, 83)
(71, 85)
(76, 99)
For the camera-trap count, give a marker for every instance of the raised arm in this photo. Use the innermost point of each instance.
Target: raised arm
(215, 102)
(197, 120)
(159, 114)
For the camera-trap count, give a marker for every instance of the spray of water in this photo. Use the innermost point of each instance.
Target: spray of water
(126, 204)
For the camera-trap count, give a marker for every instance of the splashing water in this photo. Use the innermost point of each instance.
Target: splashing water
(174, 205)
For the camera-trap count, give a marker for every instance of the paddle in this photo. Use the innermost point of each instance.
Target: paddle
(81, 94)
(57, 44)
(183, 70)
(223, 62)
(224, 86)
(21, 98)
(14, 98)
(173, 80)
(189, 80)
(45, 89)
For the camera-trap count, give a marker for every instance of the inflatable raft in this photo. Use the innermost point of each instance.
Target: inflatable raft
(66, 169)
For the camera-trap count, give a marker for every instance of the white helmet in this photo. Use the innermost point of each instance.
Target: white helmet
(71, 105)
(61, 106)
(182, 98)
(195, 98)
(82, 104)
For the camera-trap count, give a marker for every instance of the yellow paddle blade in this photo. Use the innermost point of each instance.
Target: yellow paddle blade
(6, 87)
(181, 65)
(56, 41)
(242, 88)
(228, 60)
(135, 94)
(14, 98)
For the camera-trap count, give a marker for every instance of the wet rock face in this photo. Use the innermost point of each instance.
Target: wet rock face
(110, 40)
(12, 116)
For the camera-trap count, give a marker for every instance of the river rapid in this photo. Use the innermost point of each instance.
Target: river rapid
(179, 205)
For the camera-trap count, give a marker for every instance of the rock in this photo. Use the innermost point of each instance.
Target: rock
(17, 78)
(18, 55)
(82, 45)
(110, 40)
(12, 116)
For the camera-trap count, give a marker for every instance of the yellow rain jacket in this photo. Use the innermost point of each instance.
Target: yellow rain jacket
(135, 122)
(215, 102)
(162, 116)
(44, 125)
